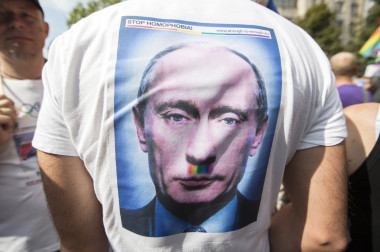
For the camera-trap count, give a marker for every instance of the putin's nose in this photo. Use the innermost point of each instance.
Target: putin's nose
(201, 149)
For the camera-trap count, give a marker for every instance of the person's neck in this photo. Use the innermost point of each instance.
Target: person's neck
(343, 80)
(21, 69)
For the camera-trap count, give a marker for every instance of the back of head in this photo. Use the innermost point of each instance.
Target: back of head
(344, 64)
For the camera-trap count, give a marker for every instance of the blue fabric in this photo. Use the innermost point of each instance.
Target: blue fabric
(272, 6)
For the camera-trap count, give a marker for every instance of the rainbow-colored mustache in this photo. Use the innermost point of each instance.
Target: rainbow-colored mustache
(199, 169)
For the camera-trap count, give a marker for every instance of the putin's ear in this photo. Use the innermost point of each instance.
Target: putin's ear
(139, 123)
(258, 138)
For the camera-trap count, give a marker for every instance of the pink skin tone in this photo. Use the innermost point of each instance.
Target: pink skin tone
(201, 111)
(22, 29)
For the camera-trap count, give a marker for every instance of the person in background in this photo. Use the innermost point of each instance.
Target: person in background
(25, 224)
(267, 3)
(272, 6)
(344, 66)
(372, 80)
(374, 88)
(363, 154)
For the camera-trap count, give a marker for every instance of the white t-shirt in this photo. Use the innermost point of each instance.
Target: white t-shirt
(91, 85)
(25, 223)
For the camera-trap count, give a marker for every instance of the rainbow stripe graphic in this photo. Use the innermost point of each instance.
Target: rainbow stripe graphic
(199, 169)
(372, 45)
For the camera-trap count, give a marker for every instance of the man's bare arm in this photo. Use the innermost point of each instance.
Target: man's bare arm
(360, 121)
(76, 212)
(315, 220)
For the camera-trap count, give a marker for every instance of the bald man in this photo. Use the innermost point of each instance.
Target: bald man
(344, 66)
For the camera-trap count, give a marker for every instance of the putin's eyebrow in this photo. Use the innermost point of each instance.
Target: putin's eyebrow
(182, 105)
(243, 115)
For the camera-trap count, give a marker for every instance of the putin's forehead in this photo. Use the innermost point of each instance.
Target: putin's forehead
(203, 55)
(200, 66)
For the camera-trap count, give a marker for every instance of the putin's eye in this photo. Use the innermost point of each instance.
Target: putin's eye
(230, 121)
(177, 117)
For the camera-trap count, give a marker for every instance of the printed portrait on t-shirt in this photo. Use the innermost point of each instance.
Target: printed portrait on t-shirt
(196, 106)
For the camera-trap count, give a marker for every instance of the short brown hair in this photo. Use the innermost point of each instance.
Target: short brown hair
(37, 4)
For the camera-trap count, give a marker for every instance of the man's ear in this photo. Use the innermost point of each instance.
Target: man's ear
(258, 138)
(139, 123)
(46, 29)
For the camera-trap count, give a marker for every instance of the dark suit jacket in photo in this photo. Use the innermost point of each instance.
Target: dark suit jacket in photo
(141, 221)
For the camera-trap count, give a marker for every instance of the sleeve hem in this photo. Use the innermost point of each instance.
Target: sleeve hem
(327, 143)
(53, 146)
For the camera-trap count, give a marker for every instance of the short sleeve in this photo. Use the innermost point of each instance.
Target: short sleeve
(52, 135)
(327, 126)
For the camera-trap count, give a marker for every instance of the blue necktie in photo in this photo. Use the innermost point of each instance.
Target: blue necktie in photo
(195, 229)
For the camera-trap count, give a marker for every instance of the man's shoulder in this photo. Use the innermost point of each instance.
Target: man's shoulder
(248, 210)
(139, 212)
(139, 220)
(348, 86)
(349, 91)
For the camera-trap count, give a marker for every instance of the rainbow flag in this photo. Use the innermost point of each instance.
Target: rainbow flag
(372, 45)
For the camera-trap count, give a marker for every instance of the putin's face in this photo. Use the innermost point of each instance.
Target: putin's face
(199, 125)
